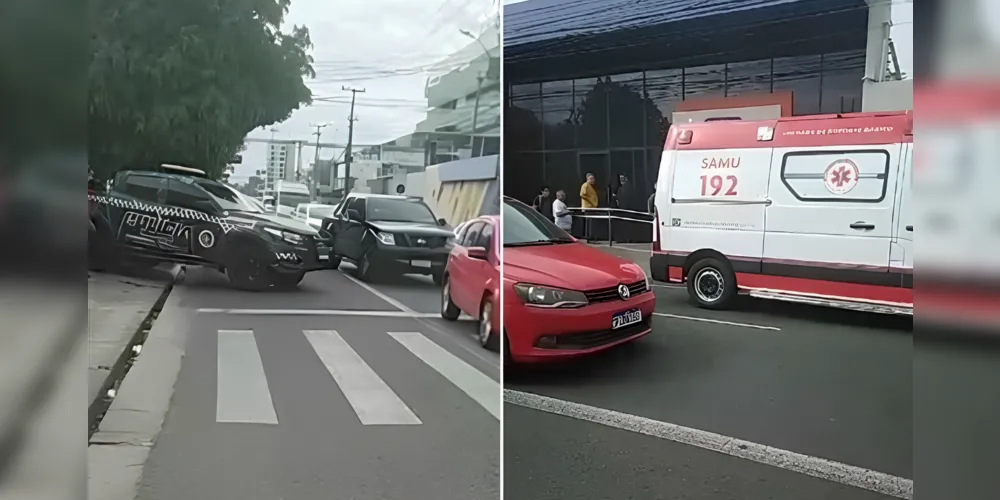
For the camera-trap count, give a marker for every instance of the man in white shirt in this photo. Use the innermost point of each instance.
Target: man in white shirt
(560, 213)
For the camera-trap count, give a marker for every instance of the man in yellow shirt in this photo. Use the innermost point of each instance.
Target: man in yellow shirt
(588, 193)
(588, 199)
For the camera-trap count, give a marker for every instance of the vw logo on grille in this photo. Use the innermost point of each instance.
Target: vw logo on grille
(623, 292)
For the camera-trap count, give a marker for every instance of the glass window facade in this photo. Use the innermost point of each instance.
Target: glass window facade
(555, 132)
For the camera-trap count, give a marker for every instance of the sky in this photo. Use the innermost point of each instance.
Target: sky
(388, 48)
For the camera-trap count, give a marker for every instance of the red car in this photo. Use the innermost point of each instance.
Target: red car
(471, 282)
(563, 299)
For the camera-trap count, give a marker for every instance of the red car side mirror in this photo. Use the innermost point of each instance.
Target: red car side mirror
(477, 253)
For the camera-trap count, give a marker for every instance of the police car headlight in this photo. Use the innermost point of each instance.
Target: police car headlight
(294, 239)
(543, 296)
(386, 238)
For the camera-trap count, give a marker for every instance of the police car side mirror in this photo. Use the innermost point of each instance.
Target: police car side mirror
(442, 222)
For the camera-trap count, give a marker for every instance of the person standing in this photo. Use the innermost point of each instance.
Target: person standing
(542, 203)
(588, 199)
(560, 212)
(588, 192)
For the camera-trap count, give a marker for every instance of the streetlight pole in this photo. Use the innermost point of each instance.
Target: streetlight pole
(479, 82)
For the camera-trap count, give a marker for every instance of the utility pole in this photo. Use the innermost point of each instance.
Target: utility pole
(350, 139)
(312, 178)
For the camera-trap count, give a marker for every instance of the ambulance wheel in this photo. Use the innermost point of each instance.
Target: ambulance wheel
(711, 284)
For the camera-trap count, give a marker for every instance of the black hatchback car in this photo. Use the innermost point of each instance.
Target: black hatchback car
(178, 215)
(388, 235)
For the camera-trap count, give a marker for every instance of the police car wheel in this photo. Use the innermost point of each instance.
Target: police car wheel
(449, 310)
(711, 284)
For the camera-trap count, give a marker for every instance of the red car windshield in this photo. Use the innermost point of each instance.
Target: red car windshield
(524, 226)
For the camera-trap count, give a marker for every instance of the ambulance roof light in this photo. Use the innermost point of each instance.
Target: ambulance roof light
(765, 133)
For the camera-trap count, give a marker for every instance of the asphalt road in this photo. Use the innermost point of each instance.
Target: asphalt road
(333, 391)
(814, 382)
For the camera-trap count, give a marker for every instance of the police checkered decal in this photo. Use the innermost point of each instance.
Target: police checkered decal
(132, 205)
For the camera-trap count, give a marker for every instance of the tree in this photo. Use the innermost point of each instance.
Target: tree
(184, 81)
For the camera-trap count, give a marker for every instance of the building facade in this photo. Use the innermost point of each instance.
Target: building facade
(281, 163)
(606, 110)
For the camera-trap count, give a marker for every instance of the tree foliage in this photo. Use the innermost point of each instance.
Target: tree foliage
(184, 81)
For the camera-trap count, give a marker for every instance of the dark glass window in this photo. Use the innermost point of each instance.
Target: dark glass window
(801, 75)
(842, 82)
(146, 188)
(664, 89)
(591, 113)
(526, 168)
(627, 107)
(705, 81)
(485, 237)
(561, 172)
(471, 235)
(185, 195)
(752, 77)
(359, 205)
(557, 114)
(523, 118)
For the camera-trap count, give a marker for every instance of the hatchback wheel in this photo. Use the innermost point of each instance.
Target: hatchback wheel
(449, 310)
(486, 337)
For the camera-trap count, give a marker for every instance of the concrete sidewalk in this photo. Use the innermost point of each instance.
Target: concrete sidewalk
(117, 307)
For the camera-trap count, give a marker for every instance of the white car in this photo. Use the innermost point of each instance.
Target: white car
(313, 213)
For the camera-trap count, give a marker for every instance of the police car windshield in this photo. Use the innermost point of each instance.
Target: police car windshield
(228, 198)
(524, 226)
(399, 210)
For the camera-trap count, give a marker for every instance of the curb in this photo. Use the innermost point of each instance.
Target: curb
(118, 369)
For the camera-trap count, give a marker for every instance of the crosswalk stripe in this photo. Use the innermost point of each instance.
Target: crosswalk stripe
(471, 381)
(372, 399)
(242, 394)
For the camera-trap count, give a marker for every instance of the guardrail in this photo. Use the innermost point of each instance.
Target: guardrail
(625, 226)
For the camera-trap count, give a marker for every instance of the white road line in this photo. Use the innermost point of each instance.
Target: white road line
(391, 301)
(242, 394)
(719, 322)
(372, 399)
(829, 470)
(319, 312)
(471, 381)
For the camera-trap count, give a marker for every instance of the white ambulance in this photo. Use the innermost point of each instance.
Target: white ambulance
(812, 209)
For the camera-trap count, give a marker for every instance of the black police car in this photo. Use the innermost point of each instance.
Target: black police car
(389, 235)
(178, 215)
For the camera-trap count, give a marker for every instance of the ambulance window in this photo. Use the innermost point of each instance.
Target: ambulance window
(858, 176)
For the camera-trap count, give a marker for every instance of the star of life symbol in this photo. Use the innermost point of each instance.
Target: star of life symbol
(841, 177)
